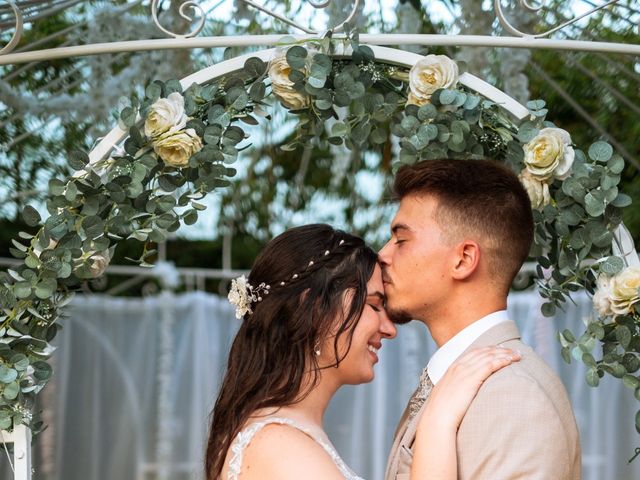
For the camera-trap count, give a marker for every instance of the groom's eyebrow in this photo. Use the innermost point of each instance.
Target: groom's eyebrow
(400, 226)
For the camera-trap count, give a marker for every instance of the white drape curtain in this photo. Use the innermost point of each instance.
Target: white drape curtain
(136, 379)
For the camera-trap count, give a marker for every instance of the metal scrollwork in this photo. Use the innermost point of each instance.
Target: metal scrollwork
(18, 33)
(536, 8)
(190, 4)
(314, 4)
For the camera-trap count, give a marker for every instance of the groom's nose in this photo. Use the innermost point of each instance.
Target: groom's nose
(383, 254)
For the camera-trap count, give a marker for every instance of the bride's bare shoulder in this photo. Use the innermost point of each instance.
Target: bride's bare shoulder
(283, 452)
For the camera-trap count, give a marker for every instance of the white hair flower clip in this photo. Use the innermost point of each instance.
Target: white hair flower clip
(242, 295)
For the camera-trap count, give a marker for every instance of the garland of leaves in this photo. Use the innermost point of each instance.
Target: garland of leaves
(181, 144)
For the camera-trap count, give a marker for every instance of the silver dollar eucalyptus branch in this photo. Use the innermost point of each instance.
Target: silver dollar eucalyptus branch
(18, 33)
(314, 4)
(190, 4)
(509, 27)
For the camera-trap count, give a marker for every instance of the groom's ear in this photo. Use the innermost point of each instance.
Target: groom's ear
(466, 259)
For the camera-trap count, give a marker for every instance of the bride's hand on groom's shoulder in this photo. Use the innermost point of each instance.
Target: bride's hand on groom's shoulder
(451, 397)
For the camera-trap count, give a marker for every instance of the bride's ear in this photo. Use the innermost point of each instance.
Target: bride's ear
(466, 259)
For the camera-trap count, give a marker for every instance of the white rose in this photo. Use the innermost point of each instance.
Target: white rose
(537, 190)
(549, 154)
(176, 148)
(165, 114)
(625, 290)
(282, 87)
(428, 75)
(602, 296)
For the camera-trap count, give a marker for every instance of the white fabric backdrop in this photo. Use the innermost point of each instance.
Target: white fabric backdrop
(114, 415)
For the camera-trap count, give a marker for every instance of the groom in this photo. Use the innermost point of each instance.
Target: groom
(462, 231)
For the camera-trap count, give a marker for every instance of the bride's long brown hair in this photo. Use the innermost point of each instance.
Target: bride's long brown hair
(273, 349)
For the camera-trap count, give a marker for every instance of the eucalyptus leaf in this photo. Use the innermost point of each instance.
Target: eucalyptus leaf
(600, 151)
(31, 216)
(593, 380)
(631, 381)
(621, 201)
(594, 205)
(612, 265)
(255, 67)
(11, 390)
(296, 57)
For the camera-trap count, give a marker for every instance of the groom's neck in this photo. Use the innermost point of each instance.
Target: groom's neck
(459, 313)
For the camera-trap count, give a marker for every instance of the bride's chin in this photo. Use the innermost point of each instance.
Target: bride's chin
(368, 378)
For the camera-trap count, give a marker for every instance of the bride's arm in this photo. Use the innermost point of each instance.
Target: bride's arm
(434, 450)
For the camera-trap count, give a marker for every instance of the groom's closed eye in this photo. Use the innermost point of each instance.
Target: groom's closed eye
(400, 231)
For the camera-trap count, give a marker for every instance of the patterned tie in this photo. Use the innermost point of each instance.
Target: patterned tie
(421, 395)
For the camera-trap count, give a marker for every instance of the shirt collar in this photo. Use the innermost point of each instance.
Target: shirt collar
(450, 351)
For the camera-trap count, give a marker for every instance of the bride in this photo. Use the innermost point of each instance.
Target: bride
(313, 319)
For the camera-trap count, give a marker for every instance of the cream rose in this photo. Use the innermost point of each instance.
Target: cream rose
(428, 75)
(550, 154)
(164, 115)
(602, 296)
(625, 290)
(176, 148)
(282, 87)
(537, 190)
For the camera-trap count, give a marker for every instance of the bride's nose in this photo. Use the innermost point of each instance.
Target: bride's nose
(387, 327)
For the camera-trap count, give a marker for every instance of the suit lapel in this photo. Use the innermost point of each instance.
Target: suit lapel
(392, 463)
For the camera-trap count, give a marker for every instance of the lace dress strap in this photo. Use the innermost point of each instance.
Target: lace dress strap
(244, 437)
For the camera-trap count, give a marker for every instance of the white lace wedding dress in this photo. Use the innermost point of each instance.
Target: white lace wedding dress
(243, 439)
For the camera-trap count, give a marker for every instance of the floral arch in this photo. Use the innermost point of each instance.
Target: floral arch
(176, 144)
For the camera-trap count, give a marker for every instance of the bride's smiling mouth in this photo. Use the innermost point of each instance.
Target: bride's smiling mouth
(373, 348)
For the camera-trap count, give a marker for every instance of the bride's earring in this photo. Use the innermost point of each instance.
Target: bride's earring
(316, 349)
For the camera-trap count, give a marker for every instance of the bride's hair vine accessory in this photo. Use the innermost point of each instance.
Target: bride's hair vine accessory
(242, 294)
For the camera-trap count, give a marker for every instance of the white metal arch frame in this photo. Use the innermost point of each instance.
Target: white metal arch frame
(519, 39)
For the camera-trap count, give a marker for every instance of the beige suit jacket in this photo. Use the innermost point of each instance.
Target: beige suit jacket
(519, 426)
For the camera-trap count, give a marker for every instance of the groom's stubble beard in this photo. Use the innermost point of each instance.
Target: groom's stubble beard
(398, 316)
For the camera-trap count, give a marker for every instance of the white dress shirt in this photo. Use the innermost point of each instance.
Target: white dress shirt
(450, 351)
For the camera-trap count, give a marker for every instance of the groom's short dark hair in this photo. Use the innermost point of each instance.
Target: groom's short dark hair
(480, 197)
